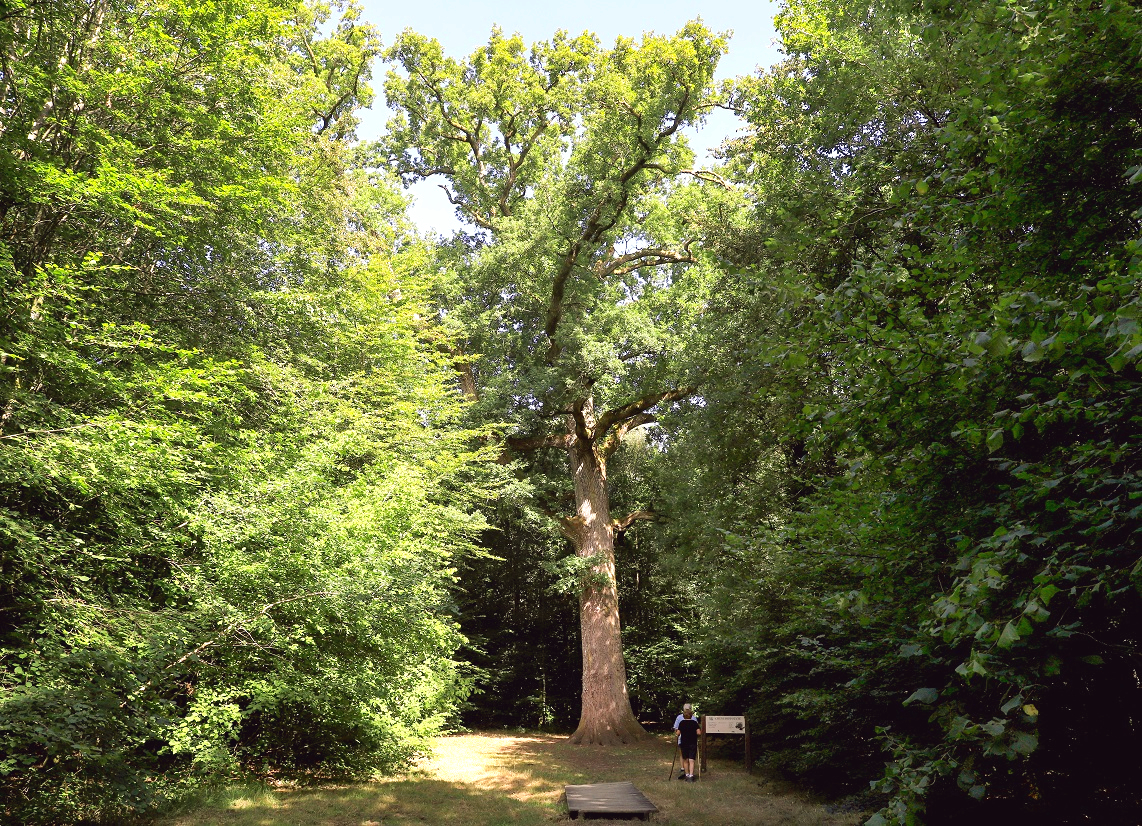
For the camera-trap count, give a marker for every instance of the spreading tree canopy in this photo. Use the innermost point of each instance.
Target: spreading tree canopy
(578, 292)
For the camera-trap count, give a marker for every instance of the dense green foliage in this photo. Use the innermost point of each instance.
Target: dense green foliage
(868, 397)
(931, 338)
(232, 479)
(560, 157)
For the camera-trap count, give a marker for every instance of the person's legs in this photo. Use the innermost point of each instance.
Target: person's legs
(688, 754)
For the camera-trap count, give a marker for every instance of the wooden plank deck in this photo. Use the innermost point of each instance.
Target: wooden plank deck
(608, 799)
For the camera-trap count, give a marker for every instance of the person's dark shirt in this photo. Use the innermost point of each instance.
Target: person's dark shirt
(688, 729)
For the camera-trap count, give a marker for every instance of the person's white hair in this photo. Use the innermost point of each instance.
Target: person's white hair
(687, 707)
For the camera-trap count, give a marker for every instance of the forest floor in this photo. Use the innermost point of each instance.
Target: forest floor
(497, 779)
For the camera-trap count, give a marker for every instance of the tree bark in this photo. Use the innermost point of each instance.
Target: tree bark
(606, 717)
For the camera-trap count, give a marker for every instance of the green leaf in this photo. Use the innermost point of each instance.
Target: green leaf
(927, 696)
(1023, 742)
(1009, 636)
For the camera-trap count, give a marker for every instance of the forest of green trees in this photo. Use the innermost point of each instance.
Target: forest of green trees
(843, 430)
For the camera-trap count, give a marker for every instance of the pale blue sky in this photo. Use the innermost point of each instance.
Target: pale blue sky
(463, 27)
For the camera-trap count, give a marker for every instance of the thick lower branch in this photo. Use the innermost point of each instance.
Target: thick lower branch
(611, 442)
(467, 375)
(635, 516)
(619, 415)
(650, 257)
(523, 445)
(584, 430)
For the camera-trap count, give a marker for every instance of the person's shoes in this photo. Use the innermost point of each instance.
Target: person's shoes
(692, 779)
(681, 775)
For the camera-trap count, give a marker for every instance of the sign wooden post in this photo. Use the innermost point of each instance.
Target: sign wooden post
(715, 724)
(702, 748)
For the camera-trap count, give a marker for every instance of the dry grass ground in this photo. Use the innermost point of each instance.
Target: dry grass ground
(502, 779)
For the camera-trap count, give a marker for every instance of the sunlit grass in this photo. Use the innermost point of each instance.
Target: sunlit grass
(502, 779)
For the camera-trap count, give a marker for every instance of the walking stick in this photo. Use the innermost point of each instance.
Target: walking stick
(677, 751)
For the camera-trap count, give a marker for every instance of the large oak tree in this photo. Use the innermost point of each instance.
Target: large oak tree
(578, 288)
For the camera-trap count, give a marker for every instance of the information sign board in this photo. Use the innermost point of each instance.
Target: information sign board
(724, 725)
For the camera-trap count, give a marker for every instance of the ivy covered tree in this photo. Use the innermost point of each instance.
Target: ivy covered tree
(515, 601)
(577, 294)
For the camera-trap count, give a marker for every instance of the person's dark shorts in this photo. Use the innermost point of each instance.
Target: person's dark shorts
(689, 751)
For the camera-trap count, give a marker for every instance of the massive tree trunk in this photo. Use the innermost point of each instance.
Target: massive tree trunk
(606, 717)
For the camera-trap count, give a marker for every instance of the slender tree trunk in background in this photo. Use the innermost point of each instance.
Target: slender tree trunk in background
(606, 717)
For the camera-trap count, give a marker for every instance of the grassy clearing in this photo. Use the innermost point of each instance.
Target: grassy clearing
(501, 779)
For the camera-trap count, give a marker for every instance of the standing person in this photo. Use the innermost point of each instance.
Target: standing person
(681, 716)
(687, 728)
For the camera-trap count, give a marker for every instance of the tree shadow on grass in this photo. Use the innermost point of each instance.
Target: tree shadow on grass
(501, 779)
(725, 796)
(407, 801)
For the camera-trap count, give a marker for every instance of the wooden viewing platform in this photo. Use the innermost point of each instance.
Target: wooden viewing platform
(608, 799)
